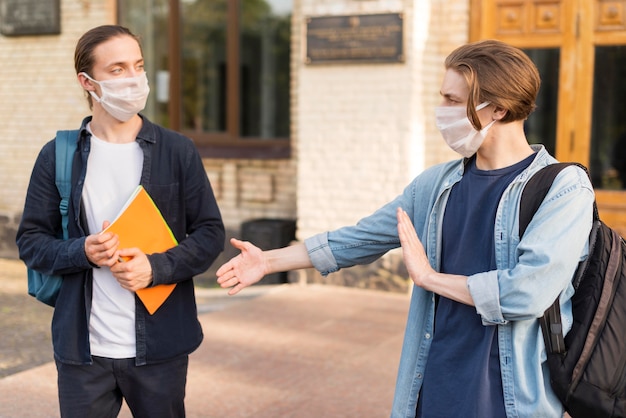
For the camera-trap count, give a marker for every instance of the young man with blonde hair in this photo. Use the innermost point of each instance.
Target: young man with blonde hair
(473, 345)
(107, 346)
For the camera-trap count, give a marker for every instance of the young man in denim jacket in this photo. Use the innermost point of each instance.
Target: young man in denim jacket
(473, 345)
(107, 346)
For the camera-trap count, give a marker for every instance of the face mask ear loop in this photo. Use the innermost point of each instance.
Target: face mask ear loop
(95, 96)
(483, 131)
(482, 106)
(88, 77)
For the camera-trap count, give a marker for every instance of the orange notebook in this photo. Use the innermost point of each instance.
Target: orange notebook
(140, 224)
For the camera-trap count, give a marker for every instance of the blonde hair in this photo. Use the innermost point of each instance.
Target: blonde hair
(497, 73)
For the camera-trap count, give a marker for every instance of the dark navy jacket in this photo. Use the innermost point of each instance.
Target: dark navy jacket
(175, 178)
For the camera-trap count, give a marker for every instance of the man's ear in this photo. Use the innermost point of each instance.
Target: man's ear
(85, 83)
(499, 113)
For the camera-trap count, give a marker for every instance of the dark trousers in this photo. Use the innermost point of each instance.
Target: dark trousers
(97, 390)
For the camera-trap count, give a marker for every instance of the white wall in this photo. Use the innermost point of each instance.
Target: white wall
(365, 130)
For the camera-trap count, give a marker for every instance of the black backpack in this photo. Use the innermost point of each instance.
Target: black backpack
(588, 365)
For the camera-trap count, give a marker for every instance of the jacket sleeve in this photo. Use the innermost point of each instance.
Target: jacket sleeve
(377, 233)
(195, 220)
(39, 235)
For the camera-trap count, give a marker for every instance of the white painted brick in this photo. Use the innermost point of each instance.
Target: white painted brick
(365, 130)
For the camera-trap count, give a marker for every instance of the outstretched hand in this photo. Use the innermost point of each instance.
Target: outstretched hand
(451, 286)
(243, 270)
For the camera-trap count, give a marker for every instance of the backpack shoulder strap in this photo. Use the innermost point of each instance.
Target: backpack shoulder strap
(533, 195)
(65, 146)
(535, 191)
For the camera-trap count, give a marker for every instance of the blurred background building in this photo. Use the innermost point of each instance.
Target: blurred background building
(310, 114)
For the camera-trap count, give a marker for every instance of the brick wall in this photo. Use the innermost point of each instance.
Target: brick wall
(39, 94)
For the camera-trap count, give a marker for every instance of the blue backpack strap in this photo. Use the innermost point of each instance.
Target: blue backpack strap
(65, 146)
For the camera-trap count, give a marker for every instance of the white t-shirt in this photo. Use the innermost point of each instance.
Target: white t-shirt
(113, 173)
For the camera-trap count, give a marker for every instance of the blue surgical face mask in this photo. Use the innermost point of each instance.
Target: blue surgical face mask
(458, 131)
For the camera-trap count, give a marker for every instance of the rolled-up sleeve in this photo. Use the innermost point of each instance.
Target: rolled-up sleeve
(320, 254)
(486, 295)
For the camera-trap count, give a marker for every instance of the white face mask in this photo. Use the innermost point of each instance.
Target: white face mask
(458, 131)
(123, 98)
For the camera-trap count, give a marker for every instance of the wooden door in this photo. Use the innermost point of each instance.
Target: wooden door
(579, 47)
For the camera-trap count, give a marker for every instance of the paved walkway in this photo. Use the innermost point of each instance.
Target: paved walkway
(271, 352)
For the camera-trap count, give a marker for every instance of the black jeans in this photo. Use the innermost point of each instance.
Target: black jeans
(97, 390)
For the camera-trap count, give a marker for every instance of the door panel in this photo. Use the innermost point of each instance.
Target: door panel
(589, 116)
(607, 161)
(540, 128)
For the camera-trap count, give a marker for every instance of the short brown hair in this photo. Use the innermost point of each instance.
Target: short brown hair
(83, 54)
(497, 73)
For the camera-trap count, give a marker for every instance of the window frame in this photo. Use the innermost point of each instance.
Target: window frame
(227, 144)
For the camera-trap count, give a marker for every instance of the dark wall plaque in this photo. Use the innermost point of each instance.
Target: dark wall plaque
(30, 17)
(361, 38)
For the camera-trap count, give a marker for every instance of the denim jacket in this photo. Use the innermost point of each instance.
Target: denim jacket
(531, 273)
(175, 178)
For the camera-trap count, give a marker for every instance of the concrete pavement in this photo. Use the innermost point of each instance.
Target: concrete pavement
(273, 351)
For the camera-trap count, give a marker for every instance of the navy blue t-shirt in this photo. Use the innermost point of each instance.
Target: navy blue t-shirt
(462, 375)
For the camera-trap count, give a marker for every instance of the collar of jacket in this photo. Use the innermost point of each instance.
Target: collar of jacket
(146, 133)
